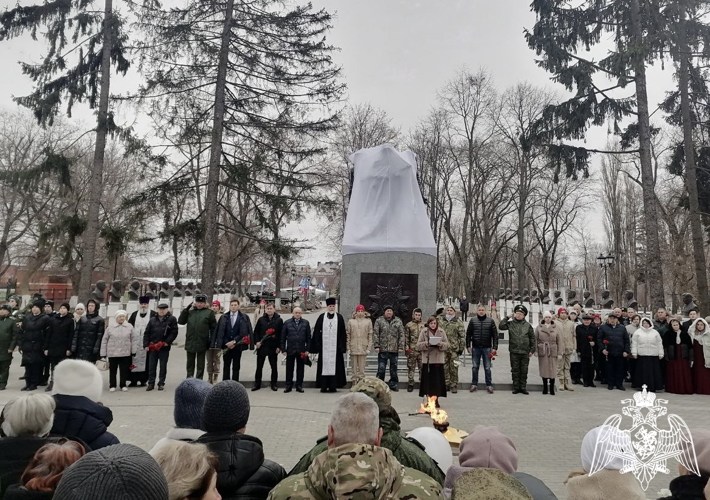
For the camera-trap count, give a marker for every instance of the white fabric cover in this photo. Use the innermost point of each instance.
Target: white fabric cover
(386, 211)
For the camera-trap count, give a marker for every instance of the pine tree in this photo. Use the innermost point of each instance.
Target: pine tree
(253, 65)
(560, 34)
(95, 42)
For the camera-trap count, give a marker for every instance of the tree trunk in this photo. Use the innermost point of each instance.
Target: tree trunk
(211, 238)
(91, 234)
(277, 276)
(176, 260)
(654, 271)
(691, 183)
(520, 267)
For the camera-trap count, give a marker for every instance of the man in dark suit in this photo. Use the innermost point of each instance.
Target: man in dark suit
(295, 342)
(233, 333)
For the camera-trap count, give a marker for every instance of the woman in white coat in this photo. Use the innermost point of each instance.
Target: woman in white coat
(647, 350)
(117, 344)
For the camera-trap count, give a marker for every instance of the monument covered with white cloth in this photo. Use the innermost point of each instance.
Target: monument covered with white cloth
(389, 252)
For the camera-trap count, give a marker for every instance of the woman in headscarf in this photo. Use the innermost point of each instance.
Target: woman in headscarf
(678, 345)
(699, 331)
(549, 350)
(647, 351)
(608, 483)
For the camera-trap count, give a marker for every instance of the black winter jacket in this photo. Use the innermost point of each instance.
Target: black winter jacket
(19, 492)
(482, 332)
(686, 344)
(78, 417)
(295, 339)
(34, 334)
(243, 471)
(222, 332)
(87, 337)
(463, 305)
(61, 336)
(688, 487)
(583, 333)
(159, 329)
(272, 342)
(618, 338)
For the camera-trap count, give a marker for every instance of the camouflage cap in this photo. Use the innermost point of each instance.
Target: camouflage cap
(375, 388)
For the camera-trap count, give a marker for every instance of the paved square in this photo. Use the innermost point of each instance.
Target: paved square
(546, 430)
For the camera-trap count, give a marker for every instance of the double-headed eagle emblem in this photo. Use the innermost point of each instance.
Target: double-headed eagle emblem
(645, 448)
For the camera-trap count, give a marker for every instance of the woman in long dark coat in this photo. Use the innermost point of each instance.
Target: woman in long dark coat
(678, 347)
(328, 320)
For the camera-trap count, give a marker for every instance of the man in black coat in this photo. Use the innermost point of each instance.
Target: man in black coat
(267, 341)
(161, 332)
(233, 333)
(482, 343)
(33, 335)
(330, 341)
(586, 348)
(295, 342)
(58, 345)
(463, 307)
(615, 345)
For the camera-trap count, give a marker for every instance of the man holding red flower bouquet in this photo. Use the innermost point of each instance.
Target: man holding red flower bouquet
(586, 348)
(267, 341)
(234, 335)
(616, 347)
(295, 342)
(159, 334)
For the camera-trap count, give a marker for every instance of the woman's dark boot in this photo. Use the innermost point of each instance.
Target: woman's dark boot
(544, 386)
(552, 386)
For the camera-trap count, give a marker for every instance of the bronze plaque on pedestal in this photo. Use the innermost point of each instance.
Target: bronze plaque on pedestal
(400, 291)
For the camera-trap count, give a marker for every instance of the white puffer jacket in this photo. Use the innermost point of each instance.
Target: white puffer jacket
(646, 342)
(117, 341)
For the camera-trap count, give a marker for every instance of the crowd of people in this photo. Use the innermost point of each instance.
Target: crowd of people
(55, 447)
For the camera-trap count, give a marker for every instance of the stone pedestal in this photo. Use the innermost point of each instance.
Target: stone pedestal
(404, 277)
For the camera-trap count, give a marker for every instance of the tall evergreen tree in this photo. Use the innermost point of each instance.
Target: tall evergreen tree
(82, 47)
(254, 65)
(561, 33)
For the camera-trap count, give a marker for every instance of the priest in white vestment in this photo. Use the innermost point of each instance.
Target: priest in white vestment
(330, 342)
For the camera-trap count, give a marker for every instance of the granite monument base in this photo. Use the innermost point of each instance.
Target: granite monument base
(363, 273)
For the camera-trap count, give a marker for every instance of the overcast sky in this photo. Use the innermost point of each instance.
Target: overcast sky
(396, 54)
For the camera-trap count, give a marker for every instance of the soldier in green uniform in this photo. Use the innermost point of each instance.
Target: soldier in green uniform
(521, 344)
(355, 466)
(200, 321)
(407, 451)
(414, 356)
(456, 336)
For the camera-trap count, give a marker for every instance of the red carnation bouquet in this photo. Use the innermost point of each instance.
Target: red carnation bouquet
(492, 355)
(306, 359)
(156, 346)
(606, 342)
(245, 340)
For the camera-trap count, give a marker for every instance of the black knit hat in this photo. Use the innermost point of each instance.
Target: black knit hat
(65, 305)
(39, 303)
(226, 408)
(113, 473)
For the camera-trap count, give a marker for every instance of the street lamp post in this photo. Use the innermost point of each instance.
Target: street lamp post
(293, 284)
(510, 271)
(605, 262)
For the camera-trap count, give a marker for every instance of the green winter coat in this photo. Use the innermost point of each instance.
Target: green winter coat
(200, 323)
(357, 471)
(455, 333)
(7, 337)
(521, 337)
(408, 452)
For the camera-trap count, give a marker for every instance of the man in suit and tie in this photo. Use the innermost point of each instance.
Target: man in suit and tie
(231, 333)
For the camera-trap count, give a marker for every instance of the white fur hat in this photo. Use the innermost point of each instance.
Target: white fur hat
(74, 377)
(80, 306)
(120, 313)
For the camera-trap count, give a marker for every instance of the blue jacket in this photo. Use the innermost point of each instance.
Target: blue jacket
(295, 339)
(618, 339)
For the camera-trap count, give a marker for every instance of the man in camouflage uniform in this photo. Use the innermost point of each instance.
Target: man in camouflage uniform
(355, 466)
(456, 336)
(388, 342)
(521, 344)
(414, 355)
(409, 452)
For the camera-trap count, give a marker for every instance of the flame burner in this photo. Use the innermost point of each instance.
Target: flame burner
(441, 427)
(439, 416)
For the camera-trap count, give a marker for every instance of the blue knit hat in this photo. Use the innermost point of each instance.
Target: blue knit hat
(189, 398)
